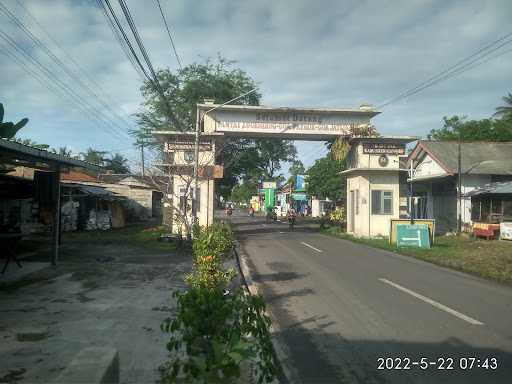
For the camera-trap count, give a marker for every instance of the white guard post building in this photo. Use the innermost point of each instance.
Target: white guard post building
(178, 164)
(218, 121)
(376, 184)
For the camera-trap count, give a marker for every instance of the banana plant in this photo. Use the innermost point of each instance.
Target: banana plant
(8, 129)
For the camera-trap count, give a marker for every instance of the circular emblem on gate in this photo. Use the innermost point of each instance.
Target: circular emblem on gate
(189, 156)
(383, 160)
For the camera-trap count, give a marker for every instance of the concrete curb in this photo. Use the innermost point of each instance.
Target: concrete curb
(280, 348)
(98, 365)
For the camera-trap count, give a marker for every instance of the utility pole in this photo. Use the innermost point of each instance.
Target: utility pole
(199, 124)
(411, 200)
(459, 185)
(142, 156)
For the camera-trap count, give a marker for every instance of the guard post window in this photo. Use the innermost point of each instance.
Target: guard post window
(382, 202)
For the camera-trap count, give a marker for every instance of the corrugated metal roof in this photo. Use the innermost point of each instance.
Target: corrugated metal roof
(96, 191)
(476, 158)
(493, 189)
(15, 150)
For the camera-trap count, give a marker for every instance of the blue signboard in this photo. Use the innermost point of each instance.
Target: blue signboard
(299, 182)
(412, 235)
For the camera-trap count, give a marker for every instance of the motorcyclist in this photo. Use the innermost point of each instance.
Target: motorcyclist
(270, 213)
(291, 216)
(251, 211)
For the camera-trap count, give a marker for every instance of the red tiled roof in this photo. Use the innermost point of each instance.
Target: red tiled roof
(73, 175)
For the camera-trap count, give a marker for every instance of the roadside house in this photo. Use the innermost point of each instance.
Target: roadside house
(435, 178)
(143, 195)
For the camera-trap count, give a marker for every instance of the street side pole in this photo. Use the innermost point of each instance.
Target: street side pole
(196, 169)
(459, 186)
(56, 217)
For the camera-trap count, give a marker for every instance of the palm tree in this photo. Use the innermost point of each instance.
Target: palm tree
(94, 156)
(64, 151)
(118, 164)
(505, 110)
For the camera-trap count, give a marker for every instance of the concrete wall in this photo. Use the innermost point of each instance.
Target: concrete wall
(206, 204)
(367, 224)
(140, 200)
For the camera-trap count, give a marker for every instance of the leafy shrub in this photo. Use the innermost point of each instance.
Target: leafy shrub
(215, 330)
(338, 216)
(215, 240)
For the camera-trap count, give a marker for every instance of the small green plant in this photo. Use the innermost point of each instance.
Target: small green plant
(215, 330)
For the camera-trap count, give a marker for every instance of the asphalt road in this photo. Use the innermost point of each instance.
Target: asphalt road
(339, 307)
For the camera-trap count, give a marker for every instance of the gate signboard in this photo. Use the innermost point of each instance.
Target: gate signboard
(296, 123)
(412, 235)
(384, 148)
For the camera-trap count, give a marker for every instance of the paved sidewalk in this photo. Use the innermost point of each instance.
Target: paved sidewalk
(119, 300)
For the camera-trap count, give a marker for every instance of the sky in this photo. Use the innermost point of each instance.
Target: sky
(301, 53)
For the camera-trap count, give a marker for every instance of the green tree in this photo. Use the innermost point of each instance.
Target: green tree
(242, 193)
(297, 168)
(64, 151)
(505, 111)
(9, 129)
(31, 143)
(117, 163)
(473, 130)
(244, 159)
(324, 180)
(271, 153)
(94, 156)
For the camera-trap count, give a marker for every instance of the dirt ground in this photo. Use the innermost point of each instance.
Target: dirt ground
(102, 293)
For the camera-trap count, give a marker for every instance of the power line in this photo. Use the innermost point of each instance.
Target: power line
(173, 46)
(80, 102)
(457, 68)
(151, 77)
(133, 55)
(38, 43)
(82, 70)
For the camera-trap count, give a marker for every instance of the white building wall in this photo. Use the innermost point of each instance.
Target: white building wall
(206, 204)
(428, 168)
(388, 181)
(367, 224)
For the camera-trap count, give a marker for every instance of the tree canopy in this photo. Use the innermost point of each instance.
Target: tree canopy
(241, 193)
(324, 180)
(243, 159)
(117, 163)
(491, 129)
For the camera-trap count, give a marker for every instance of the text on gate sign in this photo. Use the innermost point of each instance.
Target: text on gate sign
(384, 148)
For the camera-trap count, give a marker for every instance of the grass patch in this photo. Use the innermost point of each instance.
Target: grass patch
(142, 235)
(491, 259)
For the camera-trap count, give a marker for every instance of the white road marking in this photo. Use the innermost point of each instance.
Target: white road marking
(310, 246)
(433, 303)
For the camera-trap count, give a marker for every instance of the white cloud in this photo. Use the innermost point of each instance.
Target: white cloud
(303, 53)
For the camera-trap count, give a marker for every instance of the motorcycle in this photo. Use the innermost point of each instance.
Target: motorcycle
(291, 222)
(229, 211)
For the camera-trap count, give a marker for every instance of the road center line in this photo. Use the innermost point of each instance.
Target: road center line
(310, 246)
(433, 303)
